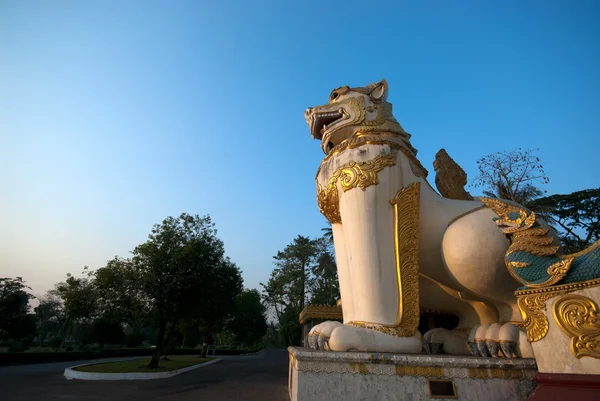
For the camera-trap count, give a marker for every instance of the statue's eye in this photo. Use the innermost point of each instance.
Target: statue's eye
(334, 95)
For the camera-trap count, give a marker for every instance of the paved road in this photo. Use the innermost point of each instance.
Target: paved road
(246, 378)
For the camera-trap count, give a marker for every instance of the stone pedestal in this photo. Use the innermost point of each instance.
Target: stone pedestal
(348, 376)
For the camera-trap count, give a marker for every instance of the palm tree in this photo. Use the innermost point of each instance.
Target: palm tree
(523, 196)
(328, 234)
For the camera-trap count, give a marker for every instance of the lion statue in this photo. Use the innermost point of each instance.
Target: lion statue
(401, 246)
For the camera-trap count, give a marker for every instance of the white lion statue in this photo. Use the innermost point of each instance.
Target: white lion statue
(401, 246)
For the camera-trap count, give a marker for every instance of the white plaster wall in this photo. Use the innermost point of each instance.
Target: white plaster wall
(350, 387)
(553, 352)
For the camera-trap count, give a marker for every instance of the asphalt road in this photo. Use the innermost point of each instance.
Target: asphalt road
(252, 377)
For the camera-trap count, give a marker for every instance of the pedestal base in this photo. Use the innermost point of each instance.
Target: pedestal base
(349, 376)
(559, 387)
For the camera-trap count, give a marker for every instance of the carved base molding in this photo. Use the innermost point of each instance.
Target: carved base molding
(560, 387)
(349, 376)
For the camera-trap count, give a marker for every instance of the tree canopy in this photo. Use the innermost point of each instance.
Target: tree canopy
(15, 320)
(515, 175)
(305, 271)
(248, 323)
(576, 217)
(179, 273)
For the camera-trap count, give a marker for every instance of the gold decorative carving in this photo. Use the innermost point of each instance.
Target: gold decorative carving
(521, 223)
(556, 272)
(529, 239)
(362, 174)
(577, 316)
(325, 312)
(532, 306)
(377, 364)
(329, 203)
(532, 309)
(359, 367)
(427, 371)
(559, 288)
(406, 243)
(450, 178)
(382, 137)
(535, 231)
(519, 265)
(352, 175)
(540, 250)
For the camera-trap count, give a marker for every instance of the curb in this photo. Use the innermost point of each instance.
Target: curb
(70, 373)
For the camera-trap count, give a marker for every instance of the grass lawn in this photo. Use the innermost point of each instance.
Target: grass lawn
(139, 365)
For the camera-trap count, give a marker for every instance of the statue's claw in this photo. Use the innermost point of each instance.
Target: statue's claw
(500, 339)
(318, 338)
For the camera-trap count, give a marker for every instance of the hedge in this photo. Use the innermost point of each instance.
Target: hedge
(9, 358)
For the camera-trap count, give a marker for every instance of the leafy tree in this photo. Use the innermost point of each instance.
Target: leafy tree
(119, 295)
(78, 297)
(298, 276)
(15, 319)
(181, 273)
(49, 316)
(290, 327)
(273, 336)
(222, 287)
(328, 234)
(134, 339)
(514, 175)
(575, 215)
(248, 323)
(324, 282)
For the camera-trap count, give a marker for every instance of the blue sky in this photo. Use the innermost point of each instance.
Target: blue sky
(114, 115)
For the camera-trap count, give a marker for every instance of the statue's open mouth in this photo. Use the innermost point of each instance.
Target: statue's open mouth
(321, 121)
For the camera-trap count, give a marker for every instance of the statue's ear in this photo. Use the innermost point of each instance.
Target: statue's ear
(379, 93)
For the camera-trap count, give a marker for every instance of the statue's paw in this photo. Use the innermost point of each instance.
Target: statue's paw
(452, 342)
(318, 337)
(352, 338)
(514, 342)
(500, 339)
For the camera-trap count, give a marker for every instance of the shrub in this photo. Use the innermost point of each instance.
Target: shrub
(16, 348)
(134, 339)
(69, 349)
(25, 342)
(56, 342)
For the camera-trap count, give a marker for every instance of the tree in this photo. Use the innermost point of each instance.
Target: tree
(248, 323)
(118, 293)
(513, 175)
(328, 234)
(15, 319)
(575, 215)
(181, 273)
(50, 316)
(223, 286)
(287, 286)
(78, 297)
(293, 281)
(324, 281)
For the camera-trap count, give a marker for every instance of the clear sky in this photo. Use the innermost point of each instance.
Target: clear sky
(116, 114)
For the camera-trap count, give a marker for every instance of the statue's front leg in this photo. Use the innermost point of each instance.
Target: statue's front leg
(364, 182)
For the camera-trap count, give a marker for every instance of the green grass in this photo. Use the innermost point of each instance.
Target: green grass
(139, 365)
